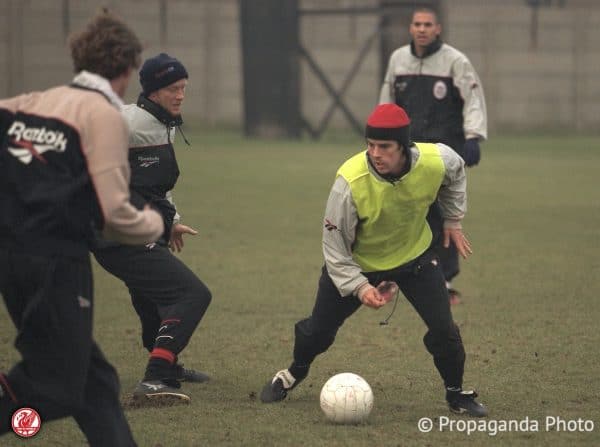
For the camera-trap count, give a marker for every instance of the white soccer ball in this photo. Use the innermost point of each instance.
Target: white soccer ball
(346, 398)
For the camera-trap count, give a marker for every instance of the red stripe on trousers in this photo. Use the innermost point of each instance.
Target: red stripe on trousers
(163, 354)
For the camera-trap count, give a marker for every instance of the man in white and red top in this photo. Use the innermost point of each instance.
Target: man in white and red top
(64, 171)
(376, 232)
(440, 90)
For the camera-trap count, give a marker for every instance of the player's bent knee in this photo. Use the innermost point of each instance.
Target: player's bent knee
(443, 342)
(319, 341)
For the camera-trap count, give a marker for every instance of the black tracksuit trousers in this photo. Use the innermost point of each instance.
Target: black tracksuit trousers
(448, 257)
(168, 297)
(62, 371)
(422, 283)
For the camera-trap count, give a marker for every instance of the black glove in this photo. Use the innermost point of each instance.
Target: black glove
(472, 152)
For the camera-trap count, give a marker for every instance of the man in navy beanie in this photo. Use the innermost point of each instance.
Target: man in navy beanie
(376, 237)
(159, 72)
(168, 297)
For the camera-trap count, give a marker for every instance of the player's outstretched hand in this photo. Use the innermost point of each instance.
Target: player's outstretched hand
(177, 232)
(463, 246)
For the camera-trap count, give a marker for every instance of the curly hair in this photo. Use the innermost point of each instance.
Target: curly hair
(106, 46)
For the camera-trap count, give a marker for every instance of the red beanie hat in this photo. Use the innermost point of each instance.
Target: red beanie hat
(389, 122)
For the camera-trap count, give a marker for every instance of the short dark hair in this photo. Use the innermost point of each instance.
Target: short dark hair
(106, 46)
(426, 9)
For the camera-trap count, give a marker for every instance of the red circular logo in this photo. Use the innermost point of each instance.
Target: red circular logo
(26, 422)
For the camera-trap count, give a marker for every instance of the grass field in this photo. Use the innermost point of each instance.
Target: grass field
(529, 316)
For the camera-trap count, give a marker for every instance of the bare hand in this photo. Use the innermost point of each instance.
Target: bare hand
(463, 246)
(372, 298)
(177, 232)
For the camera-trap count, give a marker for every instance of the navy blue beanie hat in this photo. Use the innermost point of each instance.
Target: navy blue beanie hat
(160, 71)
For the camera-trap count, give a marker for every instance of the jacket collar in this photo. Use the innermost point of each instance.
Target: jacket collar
(92, 81)
(429, 50)
(159, 112)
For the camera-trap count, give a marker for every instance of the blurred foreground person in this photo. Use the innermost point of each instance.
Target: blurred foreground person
(168, 297)
(63, 171)
(376, 233)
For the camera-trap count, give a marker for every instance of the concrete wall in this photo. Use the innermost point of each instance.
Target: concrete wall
(535, 77)
(334, 42)
(542, 77)
(202, 33)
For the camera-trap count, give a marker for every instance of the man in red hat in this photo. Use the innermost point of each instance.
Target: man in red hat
(376, 234)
